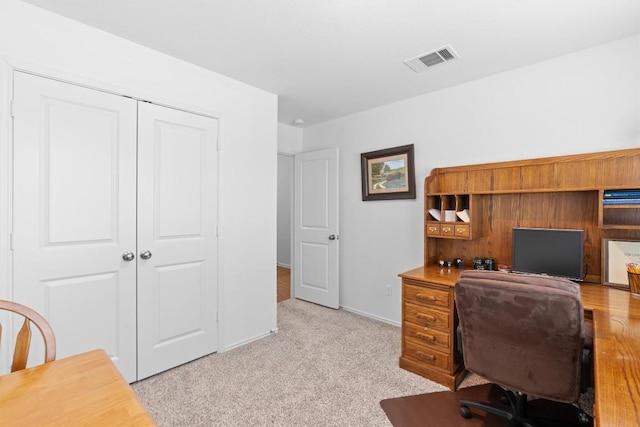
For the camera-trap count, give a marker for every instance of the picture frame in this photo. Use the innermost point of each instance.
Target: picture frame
(388, 174)
(615, 256)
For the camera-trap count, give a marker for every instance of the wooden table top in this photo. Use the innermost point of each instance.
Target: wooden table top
(616, 322)
(85, 389)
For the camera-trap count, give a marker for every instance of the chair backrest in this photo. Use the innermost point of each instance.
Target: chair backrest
(23, 340)
(522, 331)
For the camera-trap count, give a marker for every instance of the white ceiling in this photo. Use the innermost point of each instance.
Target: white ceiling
(330, 58)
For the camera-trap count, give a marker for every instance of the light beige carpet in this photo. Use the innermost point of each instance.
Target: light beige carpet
(323, 368)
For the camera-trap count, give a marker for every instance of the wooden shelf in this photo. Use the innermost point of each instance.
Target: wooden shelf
(452, 227)
(553, 192)
(620, 227)
(618, 217)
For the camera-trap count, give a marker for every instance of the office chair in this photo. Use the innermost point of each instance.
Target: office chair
(525, 333)
(23, 340)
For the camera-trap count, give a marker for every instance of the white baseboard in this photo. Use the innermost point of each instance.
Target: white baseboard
(371, 316)
(249, 340)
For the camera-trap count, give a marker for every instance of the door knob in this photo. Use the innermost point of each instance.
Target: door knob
(128, 256)
(334, 237)
(145, 254)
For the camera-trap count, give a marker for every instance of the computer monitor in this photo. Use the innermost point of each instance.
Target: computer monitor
(554, 252)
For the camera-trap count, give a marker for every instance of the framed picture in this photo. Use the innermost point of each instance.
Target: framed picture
(388, 174)
(616, 255)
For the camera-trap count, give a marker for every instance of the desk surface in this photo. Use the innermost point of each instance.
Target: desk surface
(616, 322)
(85, 389)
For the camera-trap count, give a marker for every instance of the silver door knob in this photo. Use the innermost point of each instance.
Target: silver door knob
(128, 256)
(145, 254)
(333, 237)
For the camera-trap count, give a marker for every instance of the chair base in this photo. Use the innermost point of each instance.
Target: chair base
(514, 413)
(514, 409)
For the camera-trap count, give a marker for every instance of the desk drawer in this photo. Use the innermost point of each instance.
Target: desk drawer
(427, 297)
(424, 317)
(462, 230)
(426, 355)
(427, 336)
(447, 230)
(433, 229)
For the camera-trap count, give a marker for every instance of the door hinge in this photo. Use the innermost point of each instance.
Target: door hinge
(217, 230)
(13, 107)
(11, 241)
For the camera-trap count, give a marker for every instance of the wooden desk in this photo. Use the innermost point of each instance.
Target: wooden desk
(85, 389)
(616, 321)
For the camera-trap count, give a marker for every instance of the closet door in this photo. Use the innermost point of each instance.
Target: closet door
(177, 243)
(75, 215)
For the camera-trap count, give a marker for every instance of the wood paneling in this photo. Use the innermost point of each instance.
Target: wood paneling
(591, 171)
(555, 192)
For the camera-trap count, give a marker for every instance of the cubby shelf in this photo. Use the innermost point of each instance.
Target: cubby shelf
(619, 216)
(451, 216)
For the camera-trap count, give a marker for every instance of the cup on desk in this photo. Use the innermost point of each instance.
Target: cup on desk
(634, 283)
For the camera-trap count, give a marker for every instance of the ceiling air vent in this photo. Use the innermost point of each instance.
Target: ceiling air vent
(433, 58)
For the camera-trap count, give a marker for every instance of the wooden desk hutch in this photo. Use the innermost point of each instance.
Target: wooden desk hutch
(555, 192)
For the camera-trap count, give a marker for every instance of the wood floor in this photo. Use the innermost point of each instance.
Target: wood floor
(284, 283)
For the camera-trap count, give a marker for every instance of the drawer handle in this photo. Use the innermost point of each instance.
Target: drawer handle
(433, 228)
(426, 297)
(428, 317)
(426, 337)
(446, 229)
(461, 230)
(426, 356)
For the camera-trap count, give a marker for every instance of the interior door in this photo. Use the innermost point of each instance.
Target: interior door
(177, 243)
(75, 215)
(316, 244)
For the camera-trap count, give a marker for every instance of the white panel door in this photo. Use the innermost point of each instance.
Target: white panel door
(74, 215)
(316, 244)
(177, 218)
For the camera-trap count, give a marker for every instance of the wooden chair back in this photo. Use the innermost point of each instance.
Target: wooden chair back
(23, 341)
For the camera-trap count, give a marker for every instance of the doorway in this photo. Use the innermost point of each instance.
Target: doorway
(285, 215)
(316, 242)
(284, 283)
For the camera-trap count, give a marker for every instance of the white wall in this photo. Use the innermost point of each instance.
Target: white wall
(289, 139)
(248, 133)
(587, 101)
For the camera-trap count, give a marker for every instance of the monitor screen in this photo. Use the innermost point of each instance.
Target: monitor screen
(554, 252)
